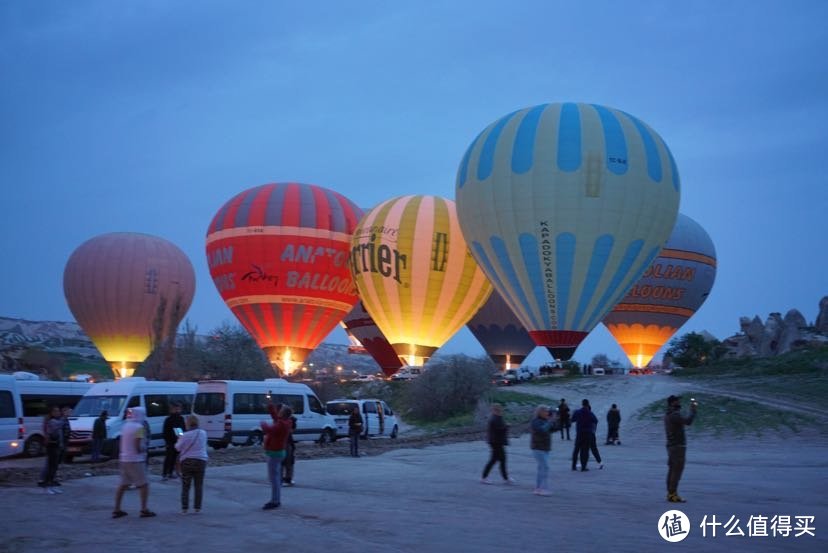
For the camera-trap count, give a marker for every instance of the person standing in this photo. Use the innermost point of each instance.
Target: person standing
(613, 424)
(276, 435)
(173, 422)
(541, 444)
(354, 430)
(290, 456)
(563, 415)
(99, 435)
(674, 423)
(53, 430)
(585, 426)
(133, 462)
(192, 456)
(498, 437)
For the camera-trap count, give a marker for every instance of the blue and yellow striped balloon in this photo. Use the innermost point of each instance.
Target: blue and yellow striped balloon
(564, 206)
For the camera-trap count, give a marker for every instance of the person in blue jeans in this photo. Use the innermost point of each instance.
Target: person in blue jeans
(276, 435)
(541, 444)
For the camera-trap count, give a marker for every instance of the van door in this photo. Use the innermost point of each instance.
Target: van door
(210, 406)
(11, 424)
(374, 422)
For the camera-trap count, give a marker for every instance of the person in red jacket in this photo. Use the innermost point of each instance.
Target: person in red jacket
(276, 436)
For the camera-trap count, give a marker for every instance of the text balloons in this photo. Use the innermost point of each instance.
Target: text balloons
(671, 290)
(564, 206)
(127, 290)
(278, 255)
(500, 333)
(415, 275)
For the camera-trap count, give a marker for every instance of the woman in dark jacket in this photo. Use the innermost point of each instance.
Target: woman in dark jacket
(354, 430)
(498, 438)
(541, 444)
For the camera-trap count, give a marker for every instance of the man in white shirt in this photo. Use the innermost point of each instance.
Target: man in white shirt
(133, 456)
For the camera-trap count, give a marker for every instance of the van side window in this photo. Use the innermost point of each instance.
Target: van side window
(315, 405)
(38, 406)
(157, 405)
(134, 401)
(209, 403)
(184, 400)
(6, 406)
(296, 403)
(369, 407)
(387, 410)
(250, 404)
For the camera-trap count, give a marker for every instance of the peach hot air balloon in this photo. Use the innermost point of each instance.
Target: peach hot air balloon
(415, 274)
(126, 290)
(278, 255)
(671, 290)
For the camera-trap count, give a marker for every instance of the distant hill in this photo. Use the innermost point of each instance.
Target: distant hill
(67, 338)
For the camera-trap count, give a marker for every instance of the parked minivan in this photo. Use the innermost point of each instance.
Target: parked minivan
(155, 396)
(37, 396)
(12, 430)
(378, 419)
(230, 411)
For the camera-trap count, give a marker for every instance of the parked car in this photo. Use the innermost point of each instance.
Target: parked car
(407, 373)
(364, 378)
(378, 419)
(499, 379)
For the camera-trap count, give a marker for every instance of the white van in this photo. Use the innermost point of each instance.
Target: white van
(37, 396)
(12, 430)
(230, 410)
(378, 419)
(155, 396)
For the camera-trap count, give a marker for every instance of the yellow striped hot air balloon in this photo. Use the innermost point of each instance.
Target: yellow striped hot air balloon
(415, 274)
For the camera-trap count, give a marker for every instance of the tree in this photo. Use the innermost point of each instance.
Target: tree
(693, 350)
(232, 354)
(450, 386)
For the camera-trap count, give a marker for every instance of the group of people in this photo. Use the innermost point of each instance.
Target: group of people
(544, 424)
(186, 457)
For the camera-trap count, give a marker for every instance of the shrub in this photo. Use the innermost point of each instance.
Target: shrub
(449, 387)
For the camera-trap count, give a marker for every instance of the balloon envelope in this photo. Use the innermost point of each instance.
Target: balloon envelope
(671, 290)
(564, 206)
(500, 333)
(278, 256)
(361, 327)
(126, 289)
(415, 275)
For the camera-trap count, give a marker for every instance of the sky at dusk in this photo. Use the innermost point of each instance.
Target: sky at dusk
(148, 116)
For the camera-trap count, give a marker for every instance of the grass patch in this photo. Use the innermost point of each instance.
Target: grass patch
(464, 420)
(723, 416)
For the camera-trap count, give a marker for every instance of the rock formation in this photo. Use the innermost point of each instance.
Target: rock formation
(778, 335)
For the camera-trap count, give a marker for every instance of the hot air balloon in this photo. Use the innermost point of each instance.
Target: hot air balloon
(500, 333)
(670, 292)
(278, 255)
(362, 330)
(127, 290)
(564, 206)
(415, 275)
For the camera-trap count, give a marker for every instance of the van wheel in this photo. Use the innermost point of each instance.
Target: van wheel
(255, 438)
(34, 447)
(394, 432)
(327, 437)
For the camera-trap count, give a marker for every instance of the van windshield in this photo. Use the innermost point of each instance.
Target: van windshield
(339, 408)
(91, 406)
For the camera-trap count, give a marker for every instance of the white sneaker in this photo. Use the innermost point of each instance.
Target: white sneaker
(57, 490)
(541, 491)
(511, 480)
(51, 491)
(486, 481)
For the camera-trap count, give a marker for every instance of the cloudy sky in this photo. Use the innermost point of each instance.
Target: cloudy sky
(147, 116)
